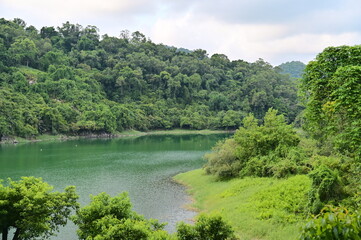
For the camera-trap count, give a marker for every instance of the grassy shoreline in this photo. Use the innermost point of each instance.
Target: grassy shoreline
(128, 133)
(257, 208)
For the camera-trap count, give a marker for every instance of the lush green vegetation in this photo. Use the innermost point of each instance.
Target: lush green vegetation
(333, 223)
(69, 80)
(328, 152)
(31, 209)
(257, 208)
(333, 111)
(35, 212)
(270, 149)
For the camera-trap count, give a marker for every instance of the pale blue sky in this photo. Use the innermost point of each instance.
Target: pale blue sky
(275, 30)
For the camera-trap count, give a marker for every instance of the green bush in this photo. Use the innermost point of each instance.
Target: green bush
(333, 224)
(211, 227)
(267, 150)
(111, 218)
(223, 162)
(326, 187)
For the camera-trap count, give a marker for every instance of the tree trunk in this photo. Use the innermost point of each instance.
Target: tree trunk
(5, 233)
(16, 234)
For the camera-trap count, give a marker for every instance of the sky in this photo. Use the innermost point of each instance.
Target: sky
(277, 31)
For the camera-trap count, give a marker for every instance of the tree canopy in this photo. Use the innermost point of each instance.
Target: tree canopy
(333, 86)
(31, 208)
(71, 80)
(269, 149)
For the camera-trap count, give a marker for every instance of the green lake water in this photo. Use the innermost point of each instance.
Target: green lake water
(142, 166)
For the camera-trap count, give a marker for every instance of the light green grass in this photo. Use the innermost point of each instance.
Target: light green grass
(257, 208)
(49, 137)
(186, 131)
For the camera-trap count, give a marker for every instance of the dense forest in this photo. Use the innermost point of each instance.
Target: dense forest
(70, 80)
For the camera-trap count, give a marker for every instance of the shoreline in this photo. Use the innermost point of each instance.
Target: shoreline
(130, 133)
(190, 197)
(256, 207)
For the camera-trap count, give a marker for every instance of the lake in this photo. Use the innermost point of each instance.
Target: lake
(142, 166)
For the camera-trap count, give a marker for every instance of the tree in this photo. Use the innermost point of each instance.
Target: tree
(256, 150)
(71, 34)
(111, 218)
(332, 86)
(20, 22)
(211, 227)
(24, 51)
(29, 206)
(48, 32)
(232, 119)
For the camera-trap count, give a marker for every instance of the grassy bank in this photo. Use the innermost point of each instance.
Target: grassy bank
(257, 208)
(128, 133)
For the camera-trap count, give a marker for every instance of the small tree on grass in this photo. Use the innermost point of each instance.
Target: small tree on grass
(206, 228)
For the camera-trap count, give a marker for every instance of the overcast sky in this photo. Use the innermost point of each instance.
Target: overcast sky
(275, 30)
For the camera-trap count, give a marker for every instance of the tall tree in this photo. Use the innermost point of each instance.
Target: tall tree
(332, 84)
(24, 51)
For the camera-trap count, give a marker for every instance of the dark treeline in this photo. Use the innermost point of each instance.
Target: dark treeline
(70, 80)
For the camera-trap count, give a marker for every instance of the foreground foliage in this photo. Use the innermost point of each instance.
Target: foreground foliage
(107, 218)
(206, 227)
(333, 224)
(111, 218)
(30, 208)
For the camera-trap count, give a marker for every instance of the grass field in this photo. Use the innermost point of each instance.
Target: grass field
(257, 208)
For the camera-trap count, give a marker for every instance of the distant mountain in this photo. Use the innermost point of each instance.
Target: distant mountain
(294, 69)
(181, 50)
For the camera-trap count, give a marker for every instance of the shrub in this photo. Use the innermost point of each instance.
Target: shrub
(206, 228)
(111, 218)
(333, 224)
(258, 150)
(223, 162)
(326, 187)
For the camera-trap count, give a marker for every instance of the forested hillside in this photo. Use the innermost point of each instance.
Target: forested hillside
(295, 68)
(70, 80)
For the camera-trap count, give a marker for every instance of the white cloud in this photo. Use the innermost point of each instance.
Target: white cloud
(246, 41)
(275, 30)
(70, 8)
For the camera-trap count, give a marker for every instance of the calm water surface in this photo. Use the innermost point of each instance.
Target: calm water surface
(142, 166)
